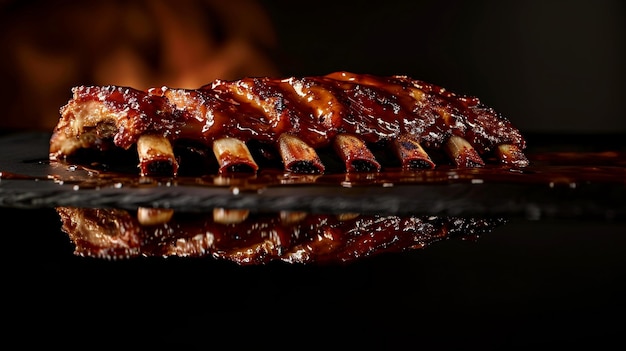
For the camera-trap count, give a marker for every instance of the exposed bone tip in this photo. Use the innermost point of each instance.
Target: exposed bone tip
(291, 217)
(230, 216)
(411, 154)
(233, 155)
(355, 154)
(153, 216)
(510, 154)
(347, 216)
(298, 156)
(462, 153)
(156, 156)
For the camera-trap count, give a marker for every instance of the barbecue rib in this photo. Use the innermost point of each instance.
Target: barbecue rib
(346, 112)
(247, 238)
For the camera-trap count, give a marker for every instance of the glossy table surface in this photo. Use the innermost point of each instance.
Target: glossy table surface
(553, 279)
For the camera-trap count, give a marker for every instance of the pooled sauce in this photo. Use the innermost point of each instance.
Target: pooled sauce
(551, 169)
(254, 236)
(569, 168)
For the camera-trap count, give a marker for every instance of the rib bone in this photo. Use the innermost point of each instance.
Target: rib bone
(412, 154)
(153, 216)
(355, 154)
(156, 155)
(510, 154)
(230, 216)
(298, 156)
(233, 155)
(291, 217)
(462, 152)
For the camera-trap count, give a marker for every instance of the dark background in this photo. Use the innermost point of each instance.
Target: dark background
(549, 66)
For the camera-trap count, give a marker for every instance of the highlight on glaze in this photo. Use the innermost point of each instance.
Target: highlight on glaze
(354, 115)
(247, 237)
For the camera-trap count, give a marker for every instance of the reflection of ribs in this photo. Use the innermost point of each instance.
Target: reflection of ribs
(248, 238)
(293, 117)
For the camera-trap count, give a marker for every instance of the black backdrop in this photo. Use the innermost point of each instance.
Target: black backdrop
(555, 66)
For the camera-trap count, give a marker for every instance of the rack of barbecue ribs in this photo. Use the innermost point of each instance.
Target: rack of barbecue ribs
(251, 238)
(245, 123)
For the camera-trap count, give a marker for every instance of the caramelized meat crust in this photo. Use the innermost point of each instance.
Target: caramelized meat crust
(296, 116)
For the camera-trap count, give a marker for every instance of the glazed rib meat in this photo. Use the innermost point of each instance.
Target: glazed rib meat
(346, 112)
(252, 238)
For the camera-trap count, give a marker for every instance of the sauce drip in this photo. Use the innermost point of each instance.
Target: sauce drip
(547, 168)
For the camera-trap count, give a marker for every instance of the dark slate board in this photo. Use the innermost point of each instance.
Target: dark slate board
(26, 154)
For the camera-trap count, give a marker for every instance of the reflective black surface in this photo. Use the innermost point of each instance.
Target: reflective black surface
(528, 283)
(550, 282)
(563, 180)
